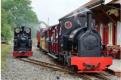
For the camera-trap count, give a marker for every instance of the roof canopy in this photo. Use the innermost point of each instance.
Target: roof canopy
(103, 12)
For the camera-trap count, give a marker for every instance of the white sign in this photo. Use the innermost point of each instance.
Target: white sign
(107, 1)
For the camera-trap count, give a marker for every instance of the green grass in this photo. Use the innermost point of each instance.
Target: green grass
(5, 51)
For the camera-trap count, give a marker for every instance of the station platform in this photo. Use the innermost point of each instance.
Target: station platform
(116, 67)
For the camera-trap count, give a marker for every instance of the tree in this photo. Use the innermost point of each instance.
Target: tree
(16, 13)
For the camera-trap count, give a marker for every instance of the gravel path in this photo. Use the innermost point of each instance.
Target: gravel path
(19, 70)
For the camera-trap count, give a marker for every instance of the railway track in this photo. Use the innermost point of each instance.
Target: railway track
(106, 76)
(85, 76)
(45, 64)
(96, 76)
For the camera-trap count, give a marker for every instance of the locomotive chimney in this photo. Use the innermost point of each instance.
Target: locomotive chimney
(89, 20)
(22, 28)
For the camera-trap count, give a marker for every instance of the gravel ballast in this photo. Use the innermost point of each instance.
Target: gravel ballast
(19, 70)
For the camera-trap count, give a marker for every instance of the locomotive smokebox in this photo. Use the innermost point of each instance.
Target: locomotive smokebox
(89, 42)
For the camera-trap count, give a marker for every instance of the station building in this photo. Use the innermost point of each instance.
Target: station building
(108, 22)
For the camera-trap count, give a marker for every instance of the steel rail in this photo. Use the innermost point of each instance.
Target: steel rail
(44, 64)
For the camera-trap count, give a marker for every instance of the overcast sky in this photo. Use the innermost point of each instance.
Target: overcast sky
(51, 10)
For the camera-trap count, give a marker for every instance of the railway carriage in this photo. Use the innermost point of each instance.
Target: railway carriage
(38, 39)
(75, 43)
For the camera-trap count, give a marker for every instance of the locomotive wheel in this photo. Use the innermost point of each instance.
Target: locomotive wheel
(62, 60)
(65, 60)
(73, 69)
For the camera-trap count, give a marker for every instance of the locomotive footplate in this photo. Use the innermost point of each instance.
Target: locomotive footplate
(20, 53)
(91, 64)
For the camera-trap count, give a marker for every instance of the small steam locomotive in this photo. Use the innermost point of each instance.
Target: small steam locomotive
(75, 43)
(22, 42)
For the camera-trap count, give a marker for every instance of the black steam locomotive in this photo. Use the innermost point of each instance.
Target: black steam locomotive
(22, 42)
(76, 43)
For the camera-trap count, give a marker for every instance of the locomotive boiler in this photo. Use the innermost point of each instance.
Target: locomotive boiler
(22, 42)
(75, 43)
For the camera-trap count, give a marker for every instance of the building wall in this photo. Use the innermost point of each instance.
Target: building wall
(104, 33)
(110, 38)
(110, 33)
(119, 33)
